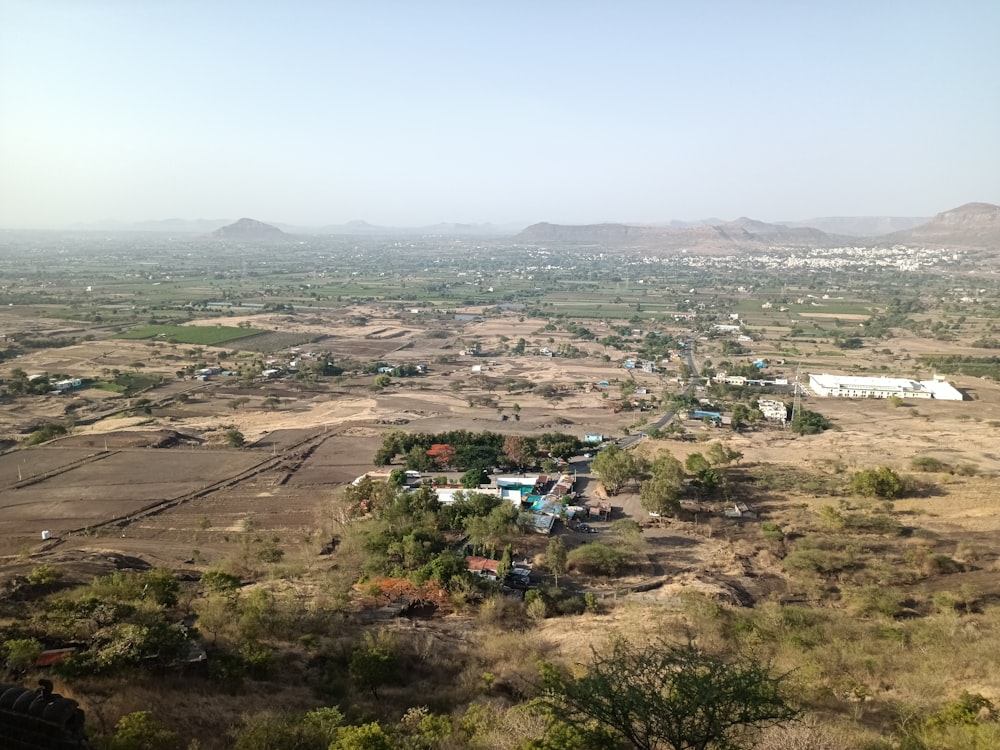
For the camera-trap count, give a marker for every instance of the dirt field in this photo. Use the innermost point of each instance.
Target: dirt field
(189, 501)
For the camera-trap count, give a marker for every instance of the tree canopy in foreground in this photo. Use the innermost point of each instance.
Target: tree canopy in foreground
(658, 696)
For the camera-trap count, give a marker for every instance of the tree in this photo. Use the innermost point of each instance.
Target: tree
(267, 730)
(520, 450)
(720, 454)
(555, 558)
(807, 422)
(696, 463)
(506, 563)
(20, 654)
(140, 731)
(442, 454)
(418, 460)
(364, 737)
(741, 415)
(382, 380)
(598, 558)
(559, 445)
(234, 438)
(662, 491)
(373, 664)
(472, 478)
(616, 468)
(880, 482)
(660, 695)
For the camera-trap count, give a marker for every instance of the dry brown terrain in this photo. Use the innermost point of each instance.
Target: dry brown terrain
(102, 489)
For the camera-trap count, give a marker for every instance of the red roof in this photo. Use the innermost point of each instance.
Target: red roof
(53, 656)
(476, 564)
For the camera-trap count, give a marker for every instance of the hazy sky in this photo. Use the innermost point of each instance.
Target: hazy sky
(415, 112)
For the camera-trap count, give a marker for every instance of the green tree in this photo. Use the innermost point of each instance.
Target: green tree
(268, 730)
(880, 482)
(373, 663)
(20, 654)
(140, 731)
(696, 463)
(661, 492)
(740, 417)
(617, 467)
(506, 563)
(473, 478)
(234, 438)
(555, 558)
(807, 422)
(44, 574)
(660, 695)
(720, 454)
(599, 559)
(364, 737)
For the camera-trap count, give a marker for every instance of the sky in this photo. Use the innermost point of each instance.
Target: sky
(412, 113)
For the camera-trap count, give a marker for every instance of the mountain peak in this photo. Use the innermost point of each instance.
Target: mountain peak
(249, 229)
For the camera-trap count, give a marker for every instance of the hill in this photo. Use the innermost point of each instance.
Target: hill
(972, 225)
(861, 226)
(249, 230)
(733, 236)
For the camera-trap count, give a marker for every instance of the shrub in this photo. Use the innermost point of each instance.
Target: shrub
(234, 438)
(45, 433)
(929, 463)
(44, 574)
(807, 422)
(880, 482)
(217, 580)
(598, 558)
(772, 532)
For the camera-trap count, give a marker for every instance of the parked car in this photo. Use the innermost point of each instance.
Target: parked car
(585, 529)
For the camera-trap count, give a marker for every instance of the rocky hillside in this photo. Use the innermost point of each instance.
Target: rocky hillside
(971, 225)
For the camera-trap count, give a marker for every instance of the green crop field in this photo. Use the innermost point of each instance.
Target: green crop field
(201, 335)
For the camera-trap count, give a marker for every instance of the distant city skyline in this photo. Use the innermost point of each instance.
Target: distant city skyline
(412, 114)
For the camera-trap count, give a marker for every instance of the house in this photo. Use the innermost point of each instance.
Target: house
(773, 410)
(543, 523)
(483, 567)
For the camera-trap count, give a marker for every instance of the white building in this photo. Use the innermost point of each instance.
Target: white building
(773, 410)
(850, 386)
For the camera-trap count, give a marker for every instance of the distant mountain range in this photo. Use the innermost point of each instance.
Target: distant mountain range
(974, 225)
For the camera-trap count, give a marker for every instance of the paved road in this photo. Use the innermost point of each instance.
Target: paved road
(625, 442)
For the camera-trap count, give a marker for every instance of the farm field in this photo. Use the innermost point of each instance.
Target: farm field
(201, 335)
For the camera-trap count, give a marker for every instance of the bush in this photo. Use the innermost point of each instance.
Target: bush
(598, 558)
(45, 433)
(772, 532)
(44, 574)
(217, 580)
(807, 422)
(880, 482)
(234, 438)
(928, 463)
